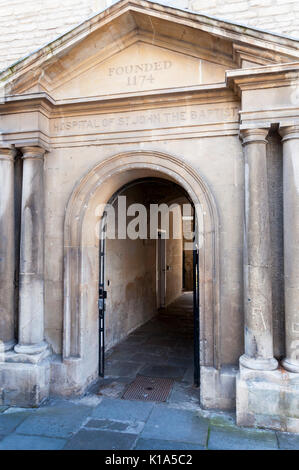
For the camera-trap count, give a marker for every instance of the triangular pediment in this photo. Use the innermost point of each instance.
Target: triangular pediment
(139, 67)
(138, 45)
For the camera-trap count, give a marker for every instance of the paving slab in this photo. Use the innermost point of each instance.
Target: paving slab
(180, 362)
(184, 393)
(176, 425)
(135, 340)
(189, 376)
(61, 421)
(139, 334)
(122, 356)
(162, 341)
(101, 440)
(183, 352)
(122, 348)
(148, 358)
(163, 371)
(87, 400)
(22, 442)
(16, 409)
(288, 441)
(122, 410)
(159, 444)
(155, 350)
(223, 419)
(9, 421)
(113, 425)
(114, 389)
(122, 368)
(229, 438)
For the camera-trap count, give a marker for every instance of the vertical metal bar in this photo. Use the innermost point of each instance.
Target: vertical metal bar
(184, 271)
(196, 306)
(101, 301)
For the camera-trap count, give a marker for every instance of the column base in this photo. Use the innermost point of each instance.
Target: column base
(71, 376)
(7, 346)
(291, 366)
(24, 383)
(28, 354)
(218, 387)
(268, 399)
(31, 348)
(258, 363)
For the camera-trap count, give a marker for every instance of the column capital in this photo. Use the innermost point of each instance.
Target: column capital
(33, 153)
(251, 136)
(7, 153)
(289, 132)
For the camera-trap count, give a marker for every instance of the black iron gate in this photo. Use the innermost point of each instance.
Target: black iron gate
(196, 333)
(102, 296)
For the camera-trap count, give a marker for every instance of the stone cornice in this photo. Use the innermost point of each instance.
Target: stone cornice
(267, 76)
(42, 110)
(253, 119)
(38, 97)
(125, 102)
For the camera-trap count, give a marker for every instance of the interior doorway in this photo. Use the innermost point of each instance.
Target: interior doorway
(149, 321)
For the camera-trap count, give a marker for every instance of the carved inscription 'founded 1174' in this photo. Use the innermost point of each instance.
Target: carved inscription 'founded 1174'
(140, 74)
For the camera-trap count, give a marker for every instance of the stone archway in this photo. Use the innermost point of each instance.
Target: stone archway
(81, 255)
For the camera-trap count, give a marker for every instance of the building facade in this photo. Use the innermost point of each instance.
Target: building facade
(145, 91)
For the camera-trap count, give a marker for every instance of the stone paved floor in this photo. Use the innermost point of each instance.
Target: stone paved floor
(94, 422)
(102, 420)
(163, 347)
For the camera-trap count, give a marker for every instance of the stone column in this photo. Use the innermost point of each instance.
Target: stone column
(257, 276)
(7, 250)
(290, 141)
(31, 295)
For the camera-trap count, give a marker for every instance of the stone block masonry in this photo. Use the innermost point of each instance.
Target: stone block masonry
(277, 16)
(27, 25)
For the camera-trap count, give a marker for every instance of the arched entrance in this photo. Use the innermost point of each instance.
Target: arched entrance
(81, 254)
(147, 314)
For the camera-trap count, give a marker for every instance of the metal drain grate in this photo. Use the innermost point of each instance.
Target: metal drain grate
(149, 389)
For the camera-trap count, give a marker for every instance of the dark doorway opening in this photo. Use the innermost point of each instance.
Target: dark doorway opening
(164, 342)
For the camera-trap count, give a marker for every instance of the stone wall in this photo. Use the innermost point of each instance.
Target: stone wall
(26, 25)
(130, 278)
(278, 16)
